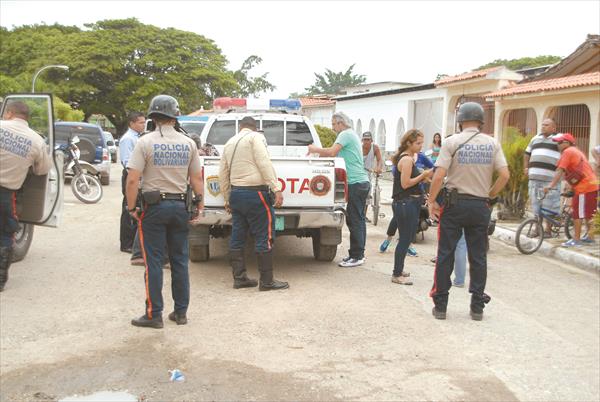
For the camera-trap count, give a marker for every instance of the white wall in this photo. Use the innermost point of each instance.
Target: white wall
(389, 109)
(320, 115)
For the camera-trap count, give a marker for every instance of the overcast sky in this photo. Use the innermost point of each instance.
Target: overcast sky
(388, 41)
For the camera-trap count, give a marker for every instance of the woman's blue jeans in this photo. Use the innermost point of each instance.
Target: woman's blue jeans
(406, 215)
(460, 260)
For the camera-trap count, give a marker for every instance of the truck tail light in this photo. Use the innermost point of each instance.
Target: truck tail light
(341, 185)
(104, 154)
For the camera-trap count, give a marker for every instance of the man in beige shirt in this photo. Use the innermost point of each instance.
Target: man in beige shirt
(20, 149)
(247, 179)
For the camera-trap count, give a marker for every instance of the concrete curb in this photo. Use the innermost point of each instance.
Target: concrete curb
(587, 262)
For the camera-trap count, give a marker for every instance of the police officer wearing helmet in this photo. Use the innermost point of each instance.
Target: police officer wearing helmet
(20, 149)
(250, 188)
(468, 161)
(164, 159)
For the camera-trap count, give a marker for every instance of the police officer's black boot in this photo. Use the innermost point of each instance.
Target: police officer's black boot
(5, 261)
(265, 267)
(238, 266)
(478, 301)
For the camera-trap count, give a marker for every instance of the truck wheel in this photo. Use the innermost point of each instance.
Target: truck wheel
(198, 240)
(323, 252)
(23, 240)
(199, 253)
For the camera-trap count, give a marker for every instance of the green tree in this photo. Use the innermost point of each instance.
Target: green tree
(523, 62)
(251, 86)
(333, 83)
(326, 135)
(515, 194)
(117, 66)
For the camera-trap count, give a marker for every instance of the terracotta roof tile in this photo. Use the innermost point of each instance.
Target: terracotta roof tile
(467, 76)
(316, 102)
(554, 84)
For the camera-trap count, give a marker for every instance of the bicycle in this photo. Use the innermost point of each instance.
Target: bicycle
(530, 233)
(376, 200)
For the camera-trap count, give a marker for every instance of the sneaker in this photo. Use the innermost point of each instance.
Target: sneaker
(459, 285)
(572, 243)
(384, 246)
(352, 262)
(144, 321)
(439, 315)
(367, 220)
(401, 280)
(138, 262)
(587, 240)
(412, 252)
(180, 319)
(434, 260)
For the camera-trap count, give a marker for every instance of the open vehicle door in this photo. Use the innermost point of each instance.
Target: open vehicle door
(40, 200)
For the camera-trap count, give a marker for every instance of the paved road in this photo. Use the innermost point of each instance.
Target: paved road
(336, 334)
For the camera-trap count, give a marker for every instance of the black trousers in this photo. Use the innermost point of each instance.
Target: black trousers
(473, 216)
(128, 226)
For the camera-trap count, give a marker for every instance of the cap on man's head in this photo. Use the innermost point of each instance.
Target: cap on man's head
(367, 135)
(564, 137)
(248, 122)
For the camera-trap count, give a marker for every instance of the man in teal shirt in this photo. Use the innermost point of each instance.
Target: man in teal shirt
(348, 146)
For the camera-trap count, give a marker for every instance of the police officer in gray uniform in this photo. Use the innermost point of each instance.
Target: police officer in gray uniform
(20, 149)
(468, 160)
(164, 159)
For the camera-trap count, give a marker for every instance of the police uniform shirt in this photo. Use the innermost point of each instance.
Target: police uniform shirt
(165, 160)
(471, 169)
(251, 164)
(20, 148)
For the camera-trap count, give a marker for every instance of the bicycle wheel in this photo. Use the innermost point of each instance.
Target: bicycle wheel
(529, 236)
(569, 227)
(375, 209)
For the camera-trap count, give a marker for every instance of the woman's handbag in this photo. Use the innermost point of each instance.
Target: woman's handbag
(573, 177)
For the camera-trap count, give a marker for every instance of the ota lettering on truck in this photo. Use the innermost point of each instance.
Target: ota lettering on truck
(318, 185)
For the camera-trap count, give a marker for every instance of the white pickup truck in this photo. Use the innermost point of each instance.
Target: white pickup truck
(314, 189)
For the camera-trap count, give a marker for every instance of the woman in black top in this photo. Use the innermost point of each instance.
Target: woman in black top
(408, 197)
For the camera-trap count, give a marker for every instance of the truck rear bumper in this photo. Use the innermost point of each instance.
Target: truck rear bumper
(294, 218)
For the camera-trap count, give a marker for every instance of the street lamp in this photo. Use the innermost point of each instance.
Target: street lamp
(44, 68)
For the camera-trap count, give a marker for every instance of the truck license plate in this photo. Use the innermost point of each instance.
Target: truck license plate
(279, 223)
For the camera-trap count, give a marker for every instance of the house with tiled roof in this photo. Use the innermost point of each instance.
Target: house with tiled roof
(568, 92)
(318, 109)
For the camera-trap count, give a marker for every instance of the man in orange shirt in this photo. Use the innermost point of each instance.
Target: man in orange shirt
(585, 200)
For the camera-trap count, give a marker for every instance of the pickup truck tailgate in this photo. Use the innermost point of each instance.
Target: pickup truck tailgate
(306, 182)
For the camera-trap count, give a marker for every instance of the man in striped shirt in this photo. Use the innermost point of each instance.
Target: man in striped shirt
(540, 160)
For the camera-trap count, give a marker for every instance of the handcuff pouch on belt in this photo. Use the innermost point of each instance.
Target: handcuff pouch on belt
(450, 197)
(151, 197)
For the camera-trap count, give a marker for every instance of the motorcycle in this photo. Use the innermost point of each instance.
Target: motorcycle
(84, 176)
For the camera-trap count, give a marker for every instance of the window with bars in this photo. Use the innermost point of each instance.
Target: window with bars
(525, 120)
(574, 119)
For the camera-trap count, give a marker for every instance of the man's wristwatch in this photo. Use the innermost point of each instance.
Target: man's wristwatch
(197, 199)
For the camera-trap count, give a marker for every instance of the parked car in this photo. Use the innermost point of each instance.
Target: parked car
(112, 146)
(92, 144)
(191, 124)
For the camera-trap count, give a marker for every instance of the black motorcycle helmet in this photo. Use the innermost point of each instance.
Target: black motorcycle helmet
(164, 106)
(470, 111)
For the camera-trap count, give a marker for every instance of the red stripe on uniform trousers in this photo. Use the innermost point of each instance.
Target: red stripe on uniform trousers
(437, 258)
(270, 237)
(148, 298)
